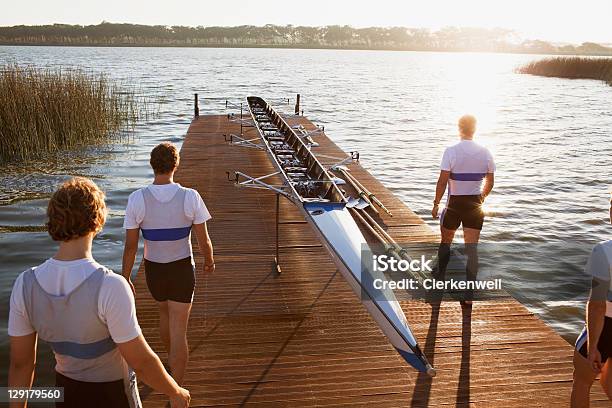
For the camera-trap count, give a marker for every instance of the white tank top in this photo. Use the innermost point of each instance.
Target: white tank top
(599, 266)
(81, 342)
(165, 228)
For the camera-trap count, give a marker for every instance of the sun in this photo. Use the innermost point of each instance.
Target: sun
(475, 89)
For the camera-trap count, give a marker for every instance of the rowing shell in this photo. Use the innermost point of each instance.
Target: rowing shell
(325, 208)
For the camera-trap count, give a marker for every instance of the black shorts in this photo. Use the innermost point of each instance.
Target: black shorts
(78, 394)
(463, 209)
(171, 281)
(604, 345)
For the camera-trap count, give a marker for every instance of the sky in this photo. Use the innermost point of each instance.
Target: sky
(549, 20)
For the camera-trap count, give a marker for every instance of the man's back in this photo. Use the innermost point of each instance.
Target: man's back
(468, 163)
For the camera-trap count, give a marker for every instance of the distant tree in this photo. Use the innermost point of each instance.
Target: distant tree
(334, 36)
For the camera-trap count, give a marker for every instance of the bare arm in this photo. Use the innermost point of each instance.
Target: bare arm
(441, 185)
(440, 189)
(596, 311)
(205, 245)
(23, 361)
(129, 252)
(488, 185)
(150, 370)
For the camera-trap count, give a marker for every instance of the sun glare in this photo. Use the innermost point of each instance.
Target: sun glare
(474, 89)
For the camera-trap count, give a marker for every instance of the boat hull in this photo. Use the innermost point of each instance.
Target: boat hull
(340, 235)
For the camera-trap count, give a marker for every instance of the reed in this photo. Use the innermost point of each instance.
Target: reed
(50, 110)
(571, 67)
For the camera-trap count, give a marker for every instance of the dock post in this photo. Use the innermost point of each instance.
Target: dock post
(277, 257)
(297, 105)
(196, 107)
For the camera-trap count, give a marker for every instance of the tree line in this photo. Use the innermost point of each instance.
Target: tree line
(336, 37)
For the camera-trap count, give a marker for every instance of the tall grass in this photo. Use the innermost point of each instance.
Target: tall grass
(50, 110)
(571, 67)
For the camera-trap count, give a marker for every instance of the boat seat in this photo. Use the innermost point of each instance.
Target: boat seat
(289, 162)
(269, 133)
(293, 169)
(297, 177)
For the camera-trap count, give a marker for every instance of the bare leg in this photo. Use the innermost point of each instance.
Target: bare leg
(471, 237)
(447, 235)
(164, 329)
(606, 378)
(583, 380)
(446, 239)
(179, 350)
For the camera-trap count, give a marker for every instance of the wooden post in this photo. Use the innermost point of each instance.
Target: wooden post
(196, 107)
(297, 105)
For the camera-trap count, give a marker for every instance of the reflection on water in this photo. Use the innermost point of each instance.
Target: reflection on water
(550, 137)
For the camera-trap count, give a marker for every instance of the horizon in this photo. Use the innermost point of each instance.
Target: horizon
(512, 36)
(522, 17)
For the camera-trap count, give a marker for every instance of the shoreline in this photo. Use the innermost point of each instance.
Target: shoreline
(300, 47)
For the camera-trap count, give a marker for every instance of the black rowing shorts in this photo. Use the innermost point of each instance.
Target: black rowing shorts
(79, 394)
(604, 345)
(171, 281)
(463, 209)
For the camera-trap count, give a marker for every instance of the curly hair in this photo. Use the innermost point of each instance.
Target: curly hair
(76, 209)
(164, 158)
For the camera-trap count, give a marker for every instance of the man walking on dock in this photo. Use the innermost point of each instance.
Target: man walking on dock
(593, 354)
(464, 167)
(166, 213)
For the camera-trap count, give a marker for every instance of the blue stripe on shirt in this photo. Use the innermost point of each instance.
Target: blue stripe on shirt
(83, 351)
(467, 176)
(166, 234)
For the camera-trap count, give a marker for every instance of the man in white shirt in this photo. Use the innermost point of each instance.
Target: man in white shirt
(465, 166)
(593, 354)
(166, 213)
(85, 312)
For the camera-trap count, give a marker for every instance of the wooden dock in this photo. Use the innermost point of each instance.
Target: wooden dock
(302, 338)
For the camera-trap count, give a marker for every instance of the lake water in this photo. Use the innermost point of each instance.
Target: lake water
(550, 137)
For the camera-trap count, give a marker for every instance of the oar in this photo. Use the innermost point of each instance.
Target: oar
(371, 195)
(357, 213)
(358, 186)
(391, 247)
(396, 247)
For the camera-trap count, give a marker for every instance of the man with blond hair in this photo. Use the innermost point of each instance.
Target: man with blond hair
(468, 170)
(166, 213)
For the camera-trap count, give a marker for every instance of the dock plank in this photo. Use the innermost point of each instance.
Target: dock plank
(303, 339)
